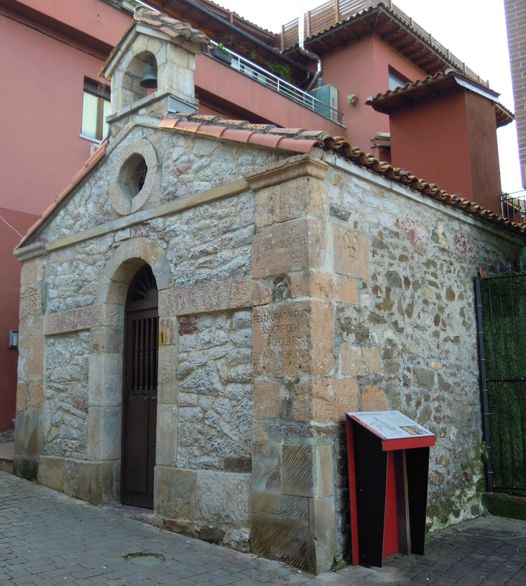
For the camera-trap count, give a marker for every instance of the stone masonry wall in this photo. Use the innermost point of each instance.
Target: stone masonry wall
(214, 433)
(186, 166)
(410, 342)
(215, 392)
(65, 424)
(72, 274)
(365, 302)
(204, 453)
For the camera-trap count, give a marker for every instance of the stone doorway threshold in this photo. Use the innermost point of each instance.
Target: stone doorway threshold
(136, 513)
(7, 453)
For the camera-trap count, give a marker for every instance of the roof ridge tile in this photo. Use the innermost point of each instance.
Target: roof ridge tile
(243, 131)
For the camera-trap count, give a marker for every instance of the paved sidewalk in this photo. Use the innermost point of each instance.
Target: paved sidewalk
(489, 551)
(49, 539)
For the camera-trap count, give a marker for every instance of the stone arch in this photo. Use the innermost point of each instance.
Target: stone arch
(139, 56)
(124, 263)
(106, 358)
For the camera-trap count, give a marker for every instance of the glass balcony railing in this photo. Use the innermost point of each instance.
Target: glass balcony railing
(275, 83)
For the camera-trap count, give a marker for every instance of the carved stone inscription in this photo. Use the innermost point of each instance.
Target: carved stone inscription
(291, 339)
(351, 253)
(281, 339)
(30, 302)
(206, 297)
(286, 247)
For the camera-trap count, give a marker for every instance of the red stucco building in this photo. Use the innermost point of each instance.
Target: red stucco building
(366, 72)
(49, 52)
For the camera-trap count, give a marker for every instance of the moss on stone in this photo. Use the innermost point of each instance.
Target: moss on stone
(27, 469)
(505, 505)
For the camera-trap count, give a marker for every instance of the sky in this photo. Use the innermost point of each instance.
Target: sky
(473, 30)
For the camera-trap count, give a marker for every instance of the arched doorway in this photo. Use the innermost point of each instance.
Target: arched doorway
(140, 390)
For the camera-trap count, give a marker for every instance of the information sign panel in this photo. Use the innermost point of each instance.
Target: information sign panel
(390, 425)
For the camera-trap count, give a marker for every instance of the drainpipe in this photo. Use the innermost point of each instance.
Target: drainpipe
(307, 53)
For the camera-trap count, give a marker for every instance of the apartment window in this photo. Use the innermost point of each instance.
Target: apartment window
(396, 79)
(95, 108)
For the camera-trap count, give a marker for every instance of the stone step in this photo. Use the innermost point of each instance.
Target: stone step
(7, 452)
(505, 505)
(6, 465)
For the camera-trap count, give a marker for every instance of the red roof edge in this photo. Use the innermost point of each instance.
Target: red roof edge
(90, 164)
(294, 140)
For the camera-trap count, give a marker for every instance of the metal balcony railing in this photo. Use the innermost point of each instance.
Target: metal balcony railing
(275, 83)
(513, 207)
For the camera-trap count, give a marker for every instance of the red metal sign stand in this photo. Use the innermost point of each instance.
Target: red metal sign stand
(388, 492)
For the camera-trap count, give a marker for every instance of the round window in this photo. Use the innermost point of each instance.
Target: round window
(133, 175)
(136, 179)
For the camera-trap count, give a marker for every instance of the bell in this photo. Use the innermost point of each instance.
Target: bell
(149, 77)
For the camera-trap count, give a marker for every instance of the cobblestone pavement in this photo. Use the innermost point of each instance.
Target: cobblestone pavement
(48, 539)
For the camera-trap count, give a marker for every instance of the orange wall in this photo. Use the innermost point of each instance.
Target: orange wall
(451, 141)
(362, 69)
(430, 139)
(41, 114)
(91, 17)
(239, 92)
(484, 151)
(9, 295)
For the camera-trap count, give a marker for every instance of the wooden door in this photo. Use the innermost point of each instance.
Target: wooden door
(140, 391)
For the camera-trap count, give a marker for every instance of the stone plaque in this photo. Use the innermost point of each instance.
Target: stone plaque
(293, 338)
(291, 246)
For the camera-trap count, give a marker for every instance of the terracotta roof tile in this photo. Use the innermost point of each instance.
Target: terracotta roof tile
(169, 122)
(297, 145)
(266, 140)
(298, 141)
(302, 141)
(187, 125)
(170, 26)
(211, 130)
(238, 135)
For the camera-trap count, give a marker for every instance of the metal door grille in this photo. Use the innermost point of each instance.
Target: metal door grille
(145, 334)
(140, 390)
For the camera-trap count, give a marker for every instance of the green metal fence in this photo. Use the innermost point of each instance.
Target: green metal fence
(501, 320)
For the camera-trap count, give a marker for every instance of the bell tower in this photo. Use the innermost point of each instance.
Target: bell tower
(152, 69)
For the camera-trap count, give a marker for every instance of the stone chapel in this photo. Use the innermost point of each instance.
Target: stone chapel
(205, 301)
